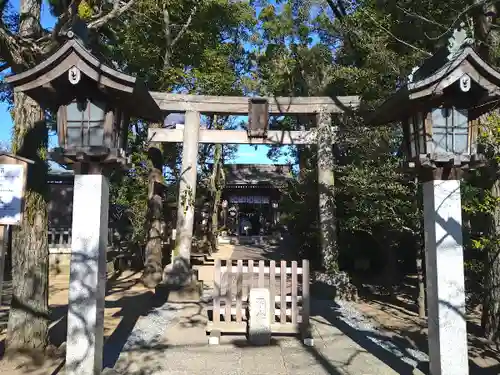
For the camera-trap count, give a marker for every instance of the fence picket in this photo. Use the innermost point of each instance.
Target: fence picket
(283, 292)
(261, 274)
(289, 309)
(229, 300)
(239, 292)
(272, 288)
(294, 292)
(217, 291)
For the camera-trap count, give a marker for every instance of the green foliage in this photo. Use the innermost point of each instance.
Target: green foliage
(202, 53)
(298, 48)
(129, 189)
(85, 10)
(481, 204)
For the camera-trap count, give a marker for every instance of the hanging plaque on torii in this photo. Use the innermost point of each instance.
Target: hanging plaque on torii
(258, 117)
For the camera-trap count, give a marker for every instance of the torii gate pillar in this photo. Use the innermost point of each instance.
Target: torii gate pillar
(180, 273)
(326, 185)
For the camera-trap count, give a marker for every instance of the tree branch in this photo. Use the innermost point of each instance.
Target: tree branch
(63, 19)
(10, 50)
(116, 12)
(475, 4)
(169, 42)
(395, 37)
(184, 27)
(168, 36)
(420, 17)
(335, 9)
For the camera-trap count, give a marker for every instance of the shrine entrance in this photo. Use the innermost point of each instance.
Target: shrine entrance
(257, 218)
(253, 190)
(258, 111)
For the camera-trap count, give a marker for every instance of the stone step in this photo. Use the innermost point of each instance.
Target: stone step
(209, 260)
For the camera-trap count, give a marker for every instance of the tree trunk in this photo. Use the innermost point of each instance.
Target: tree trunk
(490, 321)
(487, 35)
(153, 262)
(390, 269)
(216, 186)
(29, 313)
(215, 218)
(305, 153)
(487, 40)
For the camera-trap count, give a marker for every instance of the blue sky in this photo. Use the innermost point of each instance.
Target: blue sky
(246, 154)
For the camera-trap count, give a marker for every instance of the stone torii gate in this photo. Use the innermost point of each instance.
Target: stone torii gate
(258, 110)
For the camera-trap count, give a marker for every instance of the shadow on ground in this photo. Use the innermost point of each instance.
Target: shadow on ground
(148, 356)
(399, 345)
(131, 308)
(282, 250)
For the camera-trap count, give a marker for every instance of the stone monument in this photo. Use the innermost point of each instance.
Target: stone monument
(259, 322)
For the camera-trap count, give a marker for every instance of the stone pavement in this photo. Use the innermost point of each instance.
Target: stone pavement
(171, 339)
(284, 250)
(183, 350)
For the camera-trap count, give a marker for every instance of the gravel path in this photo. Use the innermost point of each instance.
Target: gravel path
(152, 349)
(356, 320)
(347, 313)
(150, 329)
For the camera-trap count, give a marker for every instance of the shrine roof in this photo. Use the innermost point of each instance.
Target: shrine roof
(49, 85)
(257, 174)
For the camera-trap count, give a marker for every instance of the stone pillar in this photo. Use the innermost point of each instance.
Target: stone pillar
(4, 238)
(87, 286)
(445, 278)
(187, 190)
(224, 213)
(326, 185)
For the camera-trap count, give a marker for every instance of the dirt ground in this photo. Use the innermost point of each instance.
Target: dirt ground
(397, 317)
(127, 299)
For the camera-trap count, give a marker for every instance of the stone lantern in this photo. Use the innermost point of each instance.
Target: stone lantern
(440, 109)
(89, 127)
(93, 103)
(440, 135)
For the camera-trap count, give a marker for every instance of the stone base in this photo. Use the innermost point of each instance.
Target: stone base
(180, 288)
(262, 338)
(178, 273)
(214, 338)
(187, 293)
(309, 342)
(110, 371)
(337, 286)
(223, 240)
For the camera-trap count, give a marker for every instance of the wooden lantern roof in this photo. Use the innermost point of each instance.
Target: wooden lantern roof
(434, 78)
(49, 85)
